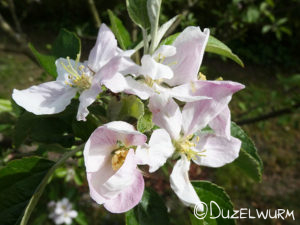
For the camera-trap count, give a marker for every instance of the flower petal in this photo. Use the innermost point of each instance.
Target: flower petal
(164, 51)
(108, 71)
(221, 123)
(198, 114)
(87, 98)
(190, 46)
(104, 49)
(166, 114)
(155, 154)
(154, 69)
(138, 88)
(218, 150)
(116, 84)
(181, 185)
(47, 98)
(129, 197)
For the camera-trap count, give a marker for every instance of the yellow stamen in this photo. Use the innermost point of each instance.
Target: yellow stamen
(118, 158)
(219, 78)
(186, 146)
(201, 76)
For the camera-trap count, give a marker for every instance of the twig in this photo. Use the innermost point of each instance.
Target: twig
(270, 115)
(94, 13)
(14, 15)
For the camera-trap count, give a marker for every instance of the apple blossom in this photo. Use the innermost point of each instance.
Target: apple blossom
(111, 166)
(62, 212)
(187, 140)
(104, 63)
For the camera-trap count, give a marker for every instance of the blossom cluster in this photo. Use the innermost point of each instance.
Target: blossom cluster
(191, 115)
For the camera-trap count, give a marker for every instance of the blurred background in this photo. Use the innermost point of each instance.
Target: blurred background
(265, 34)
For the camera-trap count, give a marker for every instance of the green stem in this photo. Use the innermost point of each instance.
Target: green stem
(154, 29)
(146, 42)
(40, 189)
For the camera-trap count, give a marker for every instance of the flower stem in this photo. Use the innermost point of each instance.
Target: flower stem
(146, 41)
(40, 189)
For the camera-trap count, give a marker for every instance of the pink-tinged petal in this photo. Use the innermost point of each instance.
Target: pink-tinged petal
(217, 150)
(190, 46)
(109, 188)
(104, 49)
(129, 197)
(116, 84)
(108, 71)
(181, 185)
(98, 148)
(126, 133)
(221, 123)
(185, 93)
(87, 98)
(155, 154)
(196, 115)
(127, 66)
(47, 98)
(154, 70)
(138, 88)
(166, 114)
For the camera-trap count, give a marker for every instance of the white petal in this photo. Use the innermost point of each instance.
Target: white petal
(218, 150)
(104, 49)
(116, 84)
(166, 114)
(138, 88)
(47, 98)
(221, 123)
(155, 154)
(190, 46)
(164, 51)
(181, 185)
(86, 98)
(154, 69)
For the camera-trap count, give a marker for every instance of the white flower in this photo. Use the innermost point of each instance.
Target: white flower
(61, 211)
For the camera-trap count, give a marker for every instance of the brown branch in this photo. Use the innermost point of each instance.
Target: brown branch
(94, 13)
(270, 115)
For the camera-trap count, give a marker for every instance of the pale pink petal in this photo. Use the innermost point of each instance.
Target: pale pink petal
(155, 154)
(198, 114)
(47, 98)
(221, 123)
(87, 98)
(127, 66)
(108, 71)
(216, 150)
(164, 51)
(104, 49)
(190, 46)
(181, 185)
(138, 88)
(129, 197)
(153, 69)
(166, 114)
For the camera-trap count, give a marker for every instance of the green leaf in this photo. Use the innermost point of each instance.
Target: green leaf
(208, 192)
(5, 105)
(45, 129)
(46, 61)
(145, 123)
(127, 107)
(150, 211)
(66, 44)
(18, 182)
(169, 40)
(83, 129)
(248, 160)
(137, 10)
(217, 47)
(119, 30)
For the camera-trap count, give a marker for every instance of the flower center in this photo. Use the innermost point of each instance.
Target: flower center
(149, 81)
(187, 146)
(77, 76)
(118, 158)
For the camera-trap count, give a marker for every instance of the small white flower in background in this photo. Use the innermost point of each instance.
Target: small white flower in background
(62, 211)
